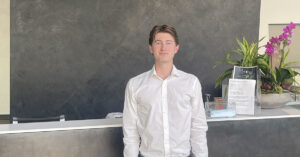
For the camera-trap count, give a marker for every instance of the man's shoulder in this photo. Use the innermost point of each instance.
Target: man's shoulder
(140, 78)
(190, 80)
(187, 75)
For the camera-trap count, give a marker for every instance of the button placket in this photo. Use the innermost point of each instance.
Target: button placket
(165, 117)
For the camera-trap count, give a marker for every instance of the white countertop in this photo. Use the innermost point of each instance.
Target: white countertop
(59, 126)
(285, 112)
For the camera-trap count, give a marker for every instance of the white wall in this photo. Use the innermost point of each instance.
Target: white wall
(277, 12)
(4, 56)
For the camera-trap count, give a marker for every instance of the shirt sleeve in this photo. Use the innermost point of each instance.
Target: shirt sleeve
(199, 124)
(131, 137)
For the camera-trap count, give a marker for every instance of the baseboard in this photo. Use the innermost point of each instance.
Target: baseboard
(4, 119)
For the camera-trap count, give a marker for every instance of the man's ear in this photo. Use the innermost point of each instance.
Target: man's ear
(150, 49)
(177, 48)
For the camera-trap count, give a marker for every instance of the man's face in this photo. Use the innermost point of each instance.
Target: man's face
(163, 48)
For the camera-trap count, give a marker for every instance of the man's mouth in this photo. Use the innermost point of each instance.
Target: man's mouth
(163, 53)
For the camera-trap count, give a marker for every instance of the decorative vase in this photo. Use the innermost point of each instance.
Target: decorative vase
(275, 100)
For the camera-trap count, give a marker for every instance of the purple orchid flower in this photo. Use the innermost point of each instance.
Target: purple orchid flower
(274, 42)
(283, 36)
(292, 25)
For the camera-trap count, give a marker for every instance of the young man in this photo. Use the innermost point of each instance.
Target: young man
(163, 110)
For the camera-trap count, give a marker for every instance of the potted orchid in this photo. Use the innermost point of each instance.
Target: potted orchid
(278, 78)
(247, 66)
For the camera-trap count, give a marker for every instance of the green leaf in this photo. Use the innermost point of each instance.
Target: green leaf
(263, 65)
(229, 61)
(283, 74)
(291, 72)
(219, 62)
(284, 56)
(261, 39)
(226, 74)
(238, 51)
(291, 63)
(252, 47)
(243, 48)
(245, 42)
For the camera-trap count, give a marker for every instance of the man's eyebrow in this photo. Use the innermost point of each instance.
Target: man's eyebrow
(161, 40)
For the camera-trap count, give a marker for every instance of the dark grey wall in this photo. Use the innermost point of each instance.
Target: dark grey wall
(75, 57)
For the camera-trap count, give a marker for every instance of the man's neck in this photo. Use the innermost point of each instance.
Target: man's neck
(163, 70)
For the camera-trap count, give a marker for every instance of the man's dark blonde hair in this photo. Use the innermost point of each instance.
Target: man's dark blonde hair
(163, 29)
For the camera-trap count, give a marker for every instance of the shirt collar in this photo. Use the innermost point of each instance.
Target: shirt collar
(174, 72)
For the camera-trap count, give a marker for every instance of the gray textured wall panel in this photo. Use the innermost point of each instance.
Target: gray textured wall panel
(255, 138)
(72, 143)
(74, 57)
(245, 138)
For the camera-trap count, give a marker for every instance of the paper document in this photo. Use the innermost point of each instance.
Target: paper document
(241, 94)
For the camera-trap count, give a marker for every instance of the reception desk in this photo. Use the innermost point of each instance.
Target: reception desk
(272, 133)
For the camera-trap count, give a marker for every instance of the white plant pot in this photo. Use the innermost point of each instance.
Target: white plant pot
(275, 100)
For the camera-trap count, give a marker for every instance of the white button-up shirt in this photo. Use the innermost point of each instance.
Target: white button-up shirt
(167, 115)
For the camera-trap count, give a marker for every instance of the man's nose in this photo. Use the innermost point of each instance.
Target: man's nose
(163, 46)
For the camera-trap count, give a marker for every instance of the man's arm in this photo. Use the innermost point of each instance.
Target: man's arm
(199, 124)
(131, 137)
